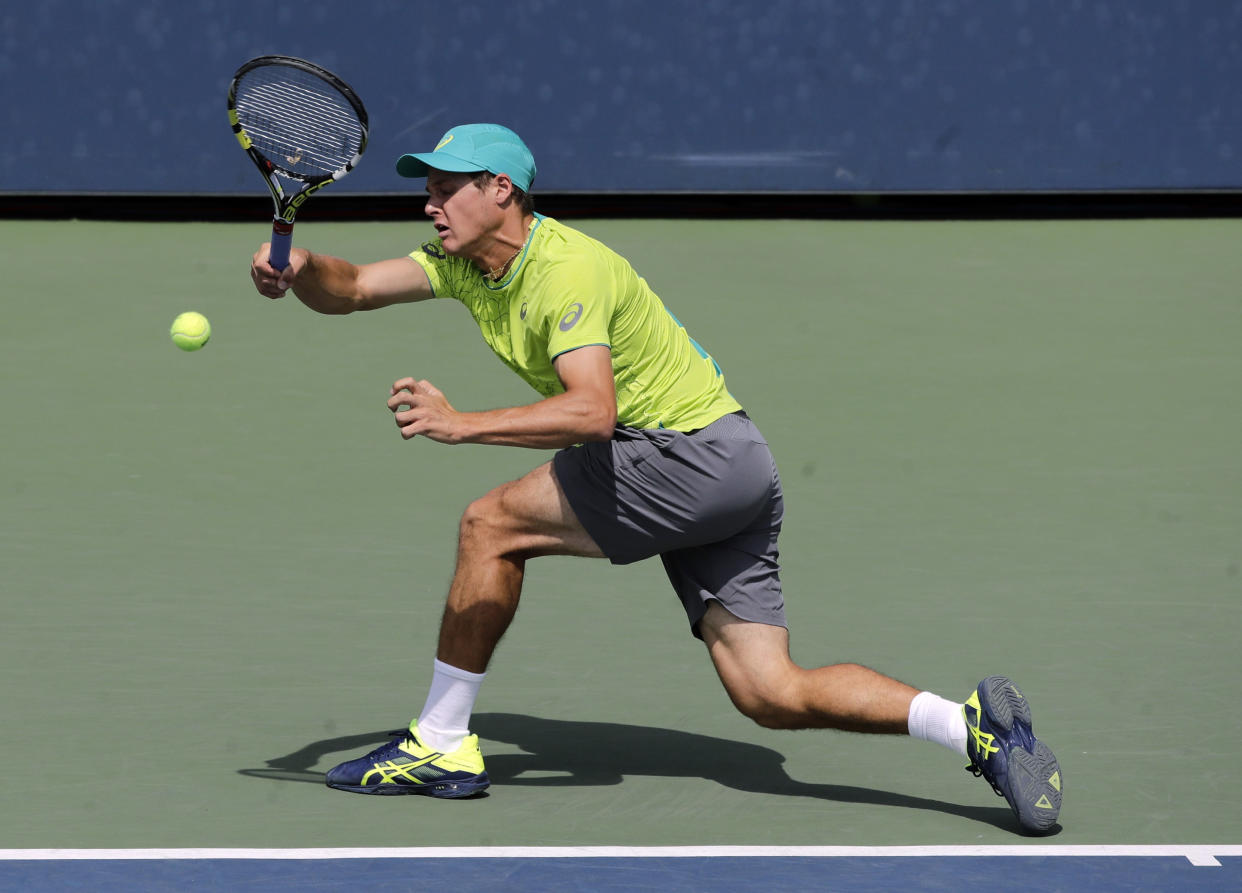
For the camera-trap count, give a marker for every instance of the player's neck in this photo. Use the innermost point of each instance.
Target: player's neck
(506, 245)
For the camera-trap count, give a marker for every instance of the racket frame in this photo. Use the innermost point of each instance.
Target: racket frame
(285, 204)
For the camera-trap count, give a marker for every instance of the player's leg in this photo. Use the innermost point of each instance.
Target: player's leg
(498, 533)
(753, 662)
(731, 591)
(993, 729)
(732, 595)
(761, 679)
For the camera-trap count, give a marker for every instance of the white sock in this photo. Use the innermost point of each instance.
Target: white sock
(445, 720)
(932, 718)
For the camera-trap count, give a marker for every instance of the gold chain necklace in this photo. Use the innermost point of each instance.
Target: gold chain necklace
(495, 273)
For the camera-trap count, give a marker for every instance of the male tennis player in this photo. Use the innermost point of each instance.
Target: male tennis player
(654, 457)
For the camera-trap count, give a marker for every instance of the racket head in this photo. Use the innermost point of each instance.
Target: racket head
(298, 121)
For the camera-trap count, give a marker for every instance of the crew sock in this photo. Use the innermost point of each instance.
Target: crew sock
(445, 720)
(933, 718)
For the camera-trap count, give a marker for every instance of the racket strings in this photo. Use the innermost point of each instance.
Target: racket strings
(300, 123)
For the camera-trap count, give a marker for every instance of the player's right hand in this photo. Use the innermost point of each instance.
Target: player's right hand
(269, 281)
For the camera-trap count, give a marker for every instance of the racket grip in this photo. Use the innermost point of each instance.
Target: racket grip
(282, 241)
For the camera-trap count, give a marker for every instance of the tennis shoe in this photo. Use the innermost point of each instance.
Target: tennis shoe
(1004, 750)
(406, 766)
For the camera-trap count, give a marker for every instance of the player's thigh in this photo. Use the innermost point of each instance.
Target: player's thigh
(531, 516)
(752, 659)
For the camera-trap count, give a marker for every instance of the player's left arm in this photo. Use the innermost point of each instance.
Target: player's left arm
(586, 411)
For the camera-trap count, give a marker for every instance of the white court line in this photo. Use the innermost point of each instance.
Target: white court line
(1197, 854)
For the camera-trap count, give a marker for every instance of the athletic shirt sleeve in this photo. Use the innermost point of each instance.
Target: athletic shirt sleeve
(575, 308)
(443, 272)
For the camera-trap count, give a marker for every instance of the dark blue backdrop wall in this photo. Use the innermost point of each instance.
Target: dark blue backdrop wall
(786, 95)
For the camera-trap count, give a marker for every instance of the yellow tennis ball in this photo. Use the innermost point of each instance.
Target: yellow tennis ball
(190, 330)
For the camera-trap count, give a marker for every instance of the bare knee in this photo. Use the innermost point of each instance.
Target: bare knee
(753, 662)
(484, 524)
(766, 714)
(841, 696)
(523, 519)
(770, 703)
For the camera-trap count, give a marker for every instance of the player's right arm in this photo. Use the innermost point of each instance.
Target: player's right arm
(331, 285)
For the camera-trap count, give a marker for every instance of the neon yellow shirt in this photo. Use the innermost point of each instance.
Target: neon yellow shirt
(567, 291)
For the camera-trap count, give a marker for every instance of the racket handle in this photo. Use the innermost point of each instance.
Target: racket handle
(282, 241)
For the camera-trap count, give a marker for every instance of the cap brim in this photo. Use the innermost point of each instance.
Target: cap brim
(417, 164)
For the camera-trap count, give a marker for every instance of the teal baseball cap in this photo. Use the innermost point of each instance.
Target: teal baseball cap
(475, 147)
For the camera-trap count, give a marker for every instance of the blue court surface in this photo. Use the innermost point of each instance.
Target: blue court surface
(605, 869)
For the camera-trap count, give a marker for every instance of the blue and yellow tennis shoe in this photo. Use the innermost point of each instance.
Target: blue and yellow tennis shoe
(406, 766)
(1004, 750)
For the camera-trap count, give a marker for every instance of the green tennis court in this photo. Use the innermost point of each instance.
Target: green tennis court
(223, 571)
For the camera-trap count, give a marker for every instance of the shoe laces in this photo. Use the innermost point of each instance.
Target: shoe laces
(977, 771)
(394, 738)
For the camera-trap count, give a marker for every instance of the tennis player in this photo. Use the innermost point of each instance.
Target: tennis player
(654, 457)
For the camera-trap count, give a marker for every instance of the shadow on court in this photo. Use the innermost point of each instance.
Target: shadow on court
(565, 753)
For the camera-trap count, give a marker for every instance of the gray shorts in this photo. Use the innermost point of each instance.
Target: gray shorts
(708, 503)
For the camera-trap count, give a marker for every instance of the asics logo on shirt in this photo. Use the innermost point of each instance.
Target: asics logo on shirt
(522, 314)
(433, 249)
(572, 317)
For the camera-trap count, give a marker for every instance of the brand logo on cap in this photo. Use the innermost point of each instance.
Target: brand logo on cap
(444, 142)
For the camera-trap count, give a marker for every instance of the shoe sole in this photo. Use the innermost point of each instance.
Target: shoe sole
(443, 790)
(1033, 777)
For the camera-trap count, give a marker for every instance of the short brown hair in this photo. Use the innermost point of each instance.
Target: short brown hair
(524, 199)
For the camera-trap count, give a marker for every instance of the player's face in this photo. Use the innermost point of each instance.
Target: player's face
(462, 214)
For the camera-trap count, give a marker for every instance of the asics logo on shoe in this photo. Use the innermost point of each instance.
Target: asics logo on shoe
(985, 742)
(390, 772)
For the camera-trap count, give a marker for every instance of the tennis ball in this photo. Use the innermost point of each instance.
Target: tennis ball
(190, 330)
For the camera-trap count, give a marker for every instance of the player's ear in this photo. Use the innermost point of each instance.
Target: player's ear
(503, 187)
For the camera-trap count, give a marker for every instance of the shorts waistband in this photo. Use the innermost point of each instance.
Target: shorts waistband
(726, 424)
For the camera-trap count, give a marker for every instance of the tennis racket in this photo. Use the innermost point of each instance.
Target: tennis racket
(300, 124)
